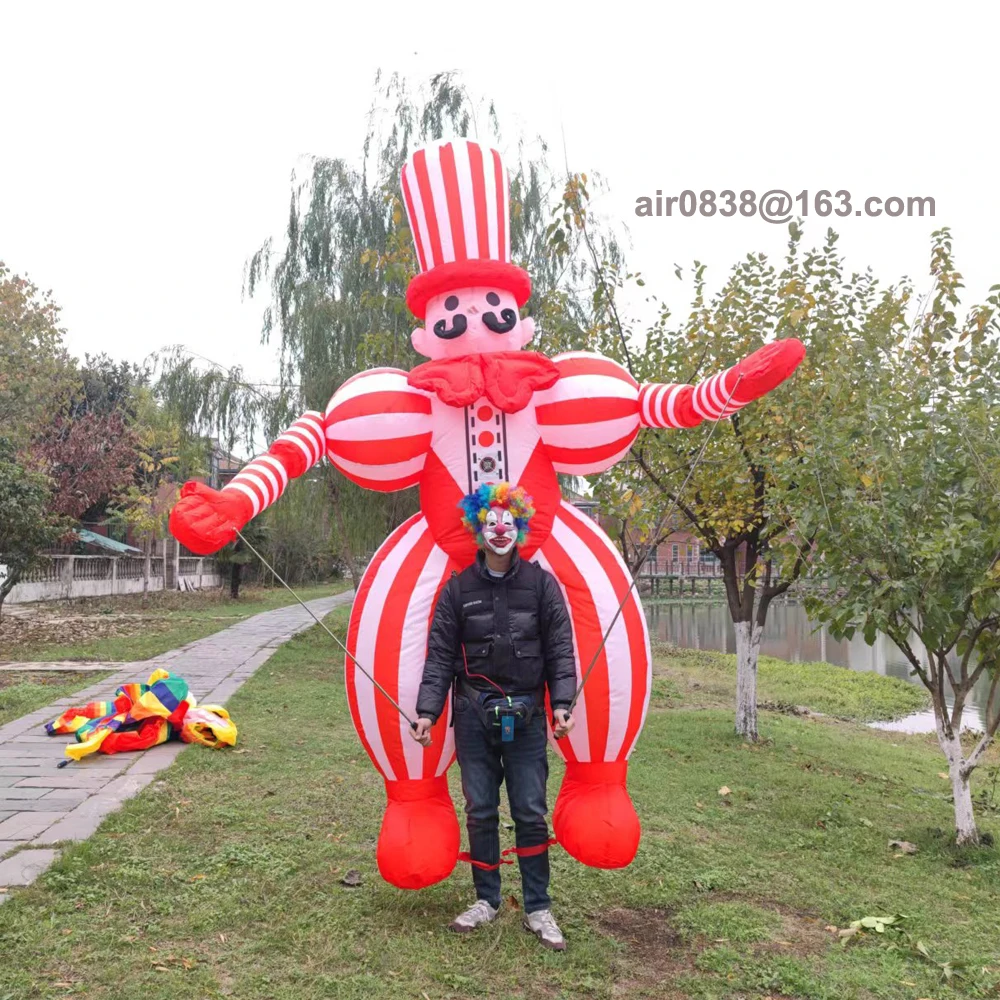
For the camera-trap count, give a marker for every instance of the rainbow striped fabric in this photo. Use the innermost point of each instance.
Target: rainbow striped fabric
(142, 716)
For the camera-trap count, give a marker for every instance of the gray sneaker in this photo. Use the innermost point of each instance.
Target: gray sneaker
(544, 927)
(479, 913)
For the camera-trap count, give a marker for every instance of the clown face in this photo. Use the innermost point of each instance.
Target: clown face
(499, 530)
(472, 321)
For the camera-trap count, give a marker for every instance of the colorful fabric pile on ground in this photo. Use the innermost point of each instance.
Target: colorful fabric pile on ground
(143, 716)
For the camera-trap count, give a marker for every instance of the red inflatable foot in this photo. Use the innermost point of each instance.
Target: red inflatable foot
(767, 368)
(594, 820)
(419, 842)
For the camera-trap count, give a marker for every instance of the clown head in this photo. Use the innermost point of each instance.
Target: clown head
(468, 291)
(475, 320)
(498, 516)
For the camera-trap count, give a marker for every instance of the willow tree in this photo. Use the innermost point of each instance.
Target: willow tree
(741, 486)
(336, 287)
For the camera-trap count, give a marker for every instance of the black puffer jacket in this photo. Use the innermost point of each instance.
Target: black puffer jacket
(516, 631)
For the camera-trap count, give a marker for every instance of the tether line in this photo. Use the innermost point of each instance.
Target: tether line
(649, 548)
(395, 704)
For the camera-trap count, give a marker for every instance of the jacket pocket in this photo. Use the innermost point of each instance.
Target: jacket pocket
(478, 650)
(528, 649)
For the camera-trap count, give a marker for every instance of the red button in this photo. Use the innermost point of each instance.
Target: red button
(486, 439)
(484, 413)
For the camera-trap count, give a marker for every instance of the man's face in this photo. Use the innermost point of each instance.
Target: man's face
(471, 321)
(499, 531)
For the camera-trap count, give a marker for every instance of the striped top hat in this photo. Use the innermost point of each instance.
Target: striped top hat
(458, 202)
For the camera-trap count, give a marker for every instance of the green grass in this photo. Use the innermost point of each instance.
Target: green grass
(22, 693)
(223, 878)
(169, 620)
(710, 678)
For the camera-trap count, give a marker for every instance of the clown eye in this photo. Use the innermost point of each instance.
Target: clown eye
(451, 302)
(493, 298)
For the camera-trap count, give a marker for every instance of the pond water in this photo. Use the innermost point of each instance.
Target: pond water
(790, 635)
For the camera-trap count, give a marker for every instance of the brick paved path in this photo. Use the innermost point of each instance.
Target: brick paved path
(41, 804)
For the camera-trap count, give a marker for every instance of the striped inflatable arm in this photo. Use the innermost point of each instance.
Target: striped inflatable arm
(205, 520)
(721, 395)
(296, 451)
(590, 418)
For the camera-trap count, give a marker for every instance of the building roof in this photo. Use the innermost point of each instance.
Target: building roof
(91, 538)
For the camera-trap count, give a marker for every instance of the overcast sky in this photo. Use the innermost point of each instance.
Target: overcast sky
(147, 148)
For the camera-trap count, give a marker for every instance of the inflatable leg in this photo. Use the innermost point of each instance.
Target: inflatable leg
(419, 841)
(594, 819)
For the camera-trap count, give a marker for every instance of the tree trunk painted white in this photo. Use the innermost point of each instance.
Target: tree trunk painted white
(748, 637)
(965, 817)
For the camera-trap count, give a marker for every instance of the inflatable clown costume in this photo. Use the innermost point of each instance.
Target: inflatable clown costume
(483, 410)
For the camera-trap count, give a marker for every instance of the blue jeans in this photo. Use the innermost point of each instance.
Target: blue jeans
(485, 761)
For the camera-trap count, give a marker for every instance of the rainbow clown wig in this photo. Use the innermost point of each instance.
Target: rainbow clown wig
(477, 505)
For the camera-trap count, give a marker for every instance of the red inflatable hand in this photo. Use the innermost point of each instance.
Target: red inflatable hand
(767, 368)
(205, 520)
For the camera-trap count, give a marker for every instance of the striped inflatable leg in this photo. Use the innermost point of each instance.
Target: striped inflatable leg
(594, 819)
(390, 620)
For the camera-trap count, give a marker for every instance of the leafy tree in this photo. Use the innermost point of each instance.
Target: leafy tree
(108, 386)
(298, 537)
(337, 290)
(37, 374)
(908, 524)
(746, 481)
(165, 456)
(237, 554)
(88, 459)
(26, 525)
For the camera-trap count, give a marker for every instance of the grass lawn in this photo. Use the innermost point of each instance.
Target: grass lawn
(222, 879)
(119, 630)
(22, 692)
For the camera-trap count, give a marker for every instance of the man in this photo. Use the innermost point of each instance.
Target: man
(501, 635)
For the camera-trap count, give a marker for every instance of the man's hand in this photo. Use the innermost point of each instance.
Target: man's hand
(563, 723)
(422, 732)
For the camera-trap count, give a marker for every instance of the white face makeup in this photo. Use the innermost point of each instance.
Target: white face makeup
(499, 530)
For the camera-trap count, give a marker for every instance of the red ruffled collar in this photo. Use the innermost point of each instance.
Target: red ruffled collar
(507, 378)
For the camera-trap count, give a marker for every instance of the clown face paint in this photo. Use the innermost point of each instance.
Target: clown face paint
(472, 321)
(499, 531)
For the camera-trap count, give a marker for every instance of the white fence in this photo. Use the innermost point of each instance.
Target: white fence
(60, 577)
(681, 567)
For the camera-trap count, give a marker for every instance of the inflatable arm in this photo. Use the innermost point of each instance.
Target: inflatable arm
(205, 520)
(589, 419)
(751, 378)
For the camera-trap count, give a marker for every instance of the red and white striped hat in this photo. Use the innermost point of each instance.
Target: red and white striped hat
(458, 202)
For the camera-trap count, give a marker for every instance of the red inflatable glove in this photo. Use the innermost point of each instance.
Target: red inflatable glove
(767, 368)
(206, 520)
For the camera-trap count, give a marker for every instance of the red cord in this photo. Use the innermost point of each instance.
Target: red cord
(480, 676)
(521, 852)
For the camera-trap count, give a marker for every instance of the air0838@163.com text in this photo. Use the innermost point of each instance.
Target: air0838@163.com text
(778, 206)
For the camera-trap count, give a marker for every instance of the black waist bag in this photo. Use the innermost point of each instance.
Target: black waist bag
(508, 714)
